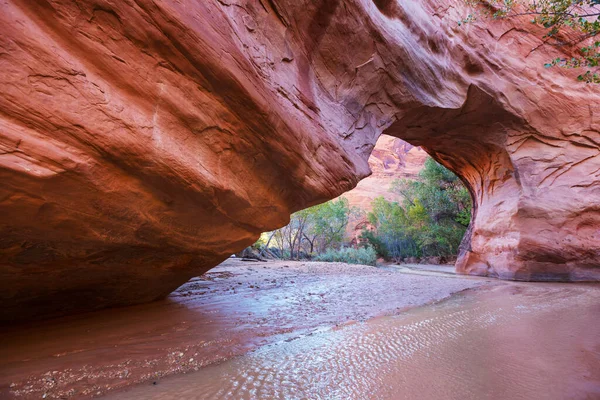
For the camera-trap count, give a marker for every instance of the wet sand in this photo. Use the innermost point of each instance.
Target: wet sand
(516, 341)
(234, 309)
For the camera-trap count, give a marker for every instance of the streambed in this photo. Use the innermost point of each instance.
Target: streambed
(522, 341)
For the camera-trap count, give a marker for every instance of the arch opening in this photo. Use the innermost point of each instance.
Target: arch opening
(410, 210)
(515, 231)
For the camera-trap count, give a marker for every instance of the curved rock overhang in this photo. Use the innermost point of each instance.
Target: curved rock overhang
(143, 141)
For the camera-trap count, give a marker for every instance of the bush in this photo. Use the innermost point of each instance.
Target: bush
(430, 220)
(363, 255)
(377, 244)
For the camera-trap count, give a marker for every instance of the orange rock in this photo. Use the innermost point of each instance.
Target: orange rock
(143, 142)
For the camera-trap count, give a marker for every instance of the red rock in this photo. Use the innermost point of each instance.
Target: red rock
(143, 142)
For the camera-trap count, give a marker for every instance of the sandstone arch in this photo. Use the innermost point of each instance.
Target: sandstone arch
(142, 142)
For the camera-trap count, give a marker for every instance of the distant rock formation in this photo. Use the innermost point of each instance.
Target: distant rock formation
(391, 159)
(141, 143)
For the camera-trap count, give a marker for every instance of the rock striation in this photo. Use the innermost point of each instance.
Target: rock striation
(143, 141)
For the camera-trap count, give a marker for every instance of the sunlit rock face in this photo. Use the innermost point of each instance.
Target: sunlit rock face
(142, 142)
(392, 159)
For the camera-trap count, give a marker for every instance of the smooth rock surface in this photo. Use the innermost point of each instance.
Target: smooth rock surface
(142, 142)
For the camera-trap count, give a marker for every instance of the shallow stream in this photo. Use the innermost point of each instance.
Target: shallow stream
(515, 341)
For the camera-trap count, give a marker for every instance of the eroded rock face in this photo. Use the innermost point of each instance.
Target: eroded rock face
(142, 142)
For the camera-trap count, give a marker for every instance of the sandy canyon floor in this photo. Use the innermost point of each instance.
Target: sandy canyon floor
(320, 330)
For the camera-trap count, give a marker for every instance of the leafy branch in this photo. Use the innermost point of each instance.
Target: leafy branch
(582, 16)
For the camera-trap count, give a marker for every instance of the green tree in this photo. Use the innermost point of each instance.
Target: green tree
(430, 220)
(392, 238)
(313, 229)
(439, 192)
(329, 222)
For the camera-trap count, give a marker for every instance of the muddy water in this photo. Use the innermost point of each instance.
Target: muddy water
(515, 341)
(235, 308)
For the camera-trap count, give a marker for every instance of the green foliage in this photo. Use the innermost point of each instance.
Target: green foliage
(581, 16)
(431, 221)
(261, 242)
(362, 255)
(464, 216)
(329, 221)
(313, 229)
(393, 237)
(374, 241)
(438, 195)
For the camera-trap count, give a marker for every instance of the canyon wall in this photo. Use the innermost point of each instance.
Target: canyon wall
(143, 141)
(391, 159)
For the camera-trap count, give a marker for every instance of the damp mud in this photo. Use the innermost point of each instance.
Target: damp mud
(298, 330)
(233, 309)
